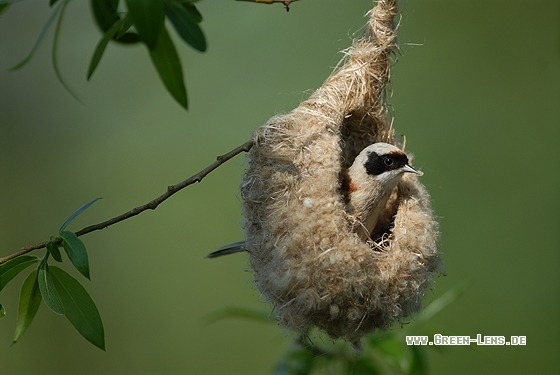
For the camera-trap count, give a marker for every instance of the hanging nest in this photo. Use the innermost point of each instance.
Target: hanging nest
(306, 259)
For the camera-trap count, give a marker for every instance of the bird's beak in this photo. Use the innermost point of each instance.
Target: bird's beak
(408, 168)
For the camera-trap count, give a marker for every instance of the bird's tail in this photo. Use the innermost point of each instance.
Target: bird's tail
(236, 247)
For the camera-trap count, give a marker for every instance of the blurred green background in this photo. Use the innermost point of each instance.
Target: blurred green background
(476, 92)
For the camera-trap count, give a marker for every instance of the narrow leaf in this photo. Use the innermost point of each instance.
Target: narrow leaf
(393, 351)
(48, 290)
(2, 311)
(419, 362)
(4, 7)
(186, 26)
(78, 211)
(29, 302)
(363, 366)
(39, 39)
(127, 38)
(234, 312)
(97, 54)
(441, 302)
(76, 251)
(13, 267)
(298, 361)
(193, 11)
(52, 2)
(79, 308)
(105, 13)
(167, 63)
(148, 17)
(58, 27)
(127, 24)
(54, 251)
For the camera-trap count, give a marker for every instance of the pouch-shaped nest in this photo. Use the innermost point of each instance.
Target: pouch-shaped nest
(306, 259)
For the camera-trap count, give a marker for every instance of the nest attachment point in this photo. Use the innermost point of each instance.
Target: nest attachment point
(305, 257)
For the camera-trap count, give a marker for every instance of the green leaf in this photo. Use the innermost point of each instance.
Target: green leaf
(393, 350)
(193, 11)
(2, 311)
(419, 362)
(363, 366)
(4, 6)
(79, 308)
(48, 290)
(105, 13)
(97, 54)
(442, 302)
(233, 312)
(127, 38)
(77, 212)
(52, 2)
(127, 24)
(29, 302)
(57, 71)
(13, 267)
(148, 17)
(186, 26)
(298, 361)
(165, 59)
(40, 38)
(52, 248)
(76, 251)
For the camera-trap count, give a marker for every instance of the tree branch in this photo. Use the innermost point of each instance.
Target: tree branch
(152, 205)
(285, 2)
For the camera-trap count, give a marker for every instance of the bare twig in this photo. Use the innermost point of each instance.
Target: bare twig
(152, 205)
(285, 2)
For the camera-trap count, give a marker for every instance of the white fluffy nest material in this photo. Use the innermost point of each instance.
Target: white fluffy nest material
(306, 260)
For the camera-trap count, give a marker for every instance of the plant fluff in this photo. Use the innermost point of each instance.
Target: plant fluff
(305, 257)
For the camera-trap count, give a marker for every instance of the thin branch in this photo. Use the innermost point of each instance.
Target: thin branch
(285, 2)
(152, 205)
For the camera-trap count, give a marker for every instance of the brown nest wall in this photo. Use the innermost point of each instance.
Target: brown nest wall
(306, 260)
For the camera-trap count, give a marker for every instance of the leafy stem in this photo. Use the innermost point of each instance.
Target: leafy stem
(152, 205)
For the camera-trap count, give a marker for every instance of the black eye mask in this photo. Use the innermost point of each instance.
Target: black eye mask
(377, 164)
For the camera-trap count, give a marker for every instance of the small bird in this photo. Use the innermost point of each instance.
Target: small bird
(372, 177)
(367, 184)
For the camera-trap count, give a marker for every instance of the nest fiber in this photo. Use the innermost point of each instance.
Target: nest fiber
(306, 260)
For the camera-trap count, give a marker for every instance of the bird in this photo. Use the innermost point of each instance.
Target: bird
(376, 171)
(367, 185)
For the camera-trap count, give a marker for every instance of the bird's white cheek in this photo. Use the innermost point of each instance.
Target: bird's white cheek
(389, 180)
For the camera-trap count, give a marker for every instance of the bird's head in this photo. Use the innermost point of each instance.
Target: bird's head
(384, 162)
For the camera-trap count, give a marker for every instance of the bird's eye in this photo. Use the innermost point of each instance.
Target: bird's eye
(388, 161)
